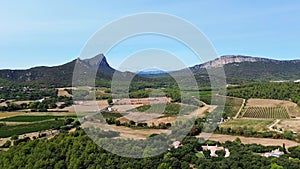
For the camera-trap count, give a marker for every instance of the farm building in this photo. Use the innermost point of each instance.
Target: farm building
(297, 81)
(177, 144)
(40, 100)
(275, 153)
(214, 149)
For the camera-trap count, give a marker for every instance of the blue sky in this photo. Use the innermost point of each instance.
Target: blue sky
(49, 33)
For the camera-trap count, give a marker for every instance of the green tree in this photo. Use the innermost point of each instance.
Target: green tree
(288, 135)
(275, 166)
(110, 100)
(14, 137)
(164, 166)
(238, 140)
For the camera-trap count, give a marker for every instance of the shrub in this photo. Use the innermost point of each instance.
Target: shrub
(6, 144)
(14, 137)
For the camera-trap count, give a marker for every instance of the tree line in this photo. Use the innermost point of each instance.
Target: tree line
(77, 150)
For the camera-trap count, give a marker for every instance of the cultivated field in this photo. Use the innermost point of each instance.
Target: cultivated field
(269, 103)
(8, 130)
(258, 125)
(232, 104)
(9, 114)
(126, 132)
(16, 123)
(139, 117)
(169, 109)
(269, 108)
(266, 112)
(292, 108)
(33, 118)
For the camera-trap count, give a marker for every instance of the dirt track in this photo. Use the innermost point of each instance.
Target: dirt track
(251, 140)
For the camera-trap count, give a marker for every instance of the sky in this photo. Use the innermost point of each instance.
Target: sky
(47, 33)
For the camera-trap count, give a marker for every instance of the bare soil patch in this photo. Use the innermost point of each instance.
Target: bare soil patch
(16, 123)
(126, 132)
(124, 105)
(3, 104)
(289, 124)
(63, 92)
(268, 103)
(16, 102)
(165, 120)
(142, 101)
(9, 114)
(89, 106)
(66, 109)
(3, 141)
(25, 101)
(156, 118)
(125, 108)
(141, 117)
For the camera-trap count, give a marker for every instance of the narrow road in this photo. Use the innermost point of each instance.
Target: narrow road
(270, 127)
(251, 140)
(241, 108)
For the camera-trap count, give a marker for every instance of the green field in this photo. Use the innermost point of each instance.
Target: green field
(9, 130)
(257, 125)
(169, 109)
(33, 118)
(266, 112)
(107, 114)
(231, 107)
(199, 94)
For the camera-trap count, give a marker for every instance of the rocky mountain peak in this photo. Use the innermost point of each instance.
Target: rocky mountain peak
(228, 59)
(98, 60)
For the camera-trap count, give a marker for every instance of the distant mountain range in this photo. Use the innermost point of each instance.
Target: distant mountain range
(236, 67)
(150, 72)
(228, 59)
(253, 68)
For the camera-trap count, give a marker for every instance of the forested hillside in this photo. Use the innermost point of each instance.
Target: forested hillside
(264, 71)
(281, 91)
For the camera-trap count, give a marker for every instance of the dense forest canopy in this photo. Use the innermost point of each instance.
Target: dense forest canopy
(267, 90)
(77, 150)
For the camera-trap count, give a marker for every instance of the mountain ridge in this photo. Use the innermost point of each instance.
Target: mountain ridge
(228, 59)
(235, 66)
(60, 75)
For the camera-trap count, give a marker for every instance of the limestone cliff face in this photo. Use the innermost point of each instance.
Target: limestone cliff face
(227, 59)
